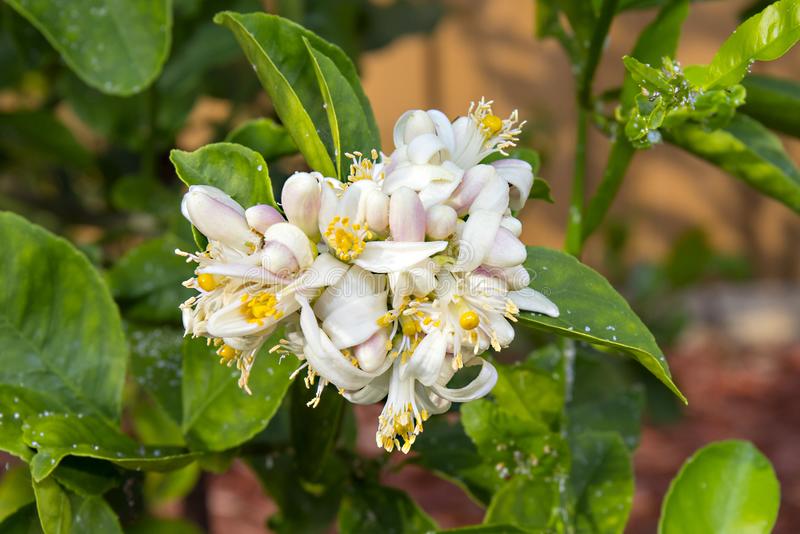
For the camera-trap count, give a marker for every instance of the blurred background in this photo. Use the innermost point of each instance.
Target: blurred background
(711, 266)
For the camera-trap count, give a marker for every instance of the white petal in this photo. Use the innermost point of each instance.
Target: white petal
(262, 216)
(372, 392)
(371, 354)
(416, 177)
(477, 238)
(393, 256)
(324, 358)
(376, 210)
(441, 222)
(519, 175)
(406, 216)
(247, 273)
(217, 216)
(493, 196)
(479, 387)
(444, 129)
(427, 400)
(355, 319)
(512, 224)
(229, 321)
(426, 361)
(472, 183)
(531, 300)
(506, 250)
(300, 199)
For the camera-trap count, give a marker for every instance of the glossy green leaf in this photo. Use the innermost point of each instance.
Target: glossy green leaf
(728, 486)
(601, 482)
(57, 435)
(265, 136)
(217, 414)
(590, 310)
(88, 477)
(237, 170)
(763, 37)
(748, 151)
(157, 366)
(63, 512)
(485, 529)
(351, 130)
(774, 102)
(147, 280)
(658, 39)
(118, 47)
(79, 358)
(16, 405)
(528, 503)
(39, 138)
(372, 508)
(15, 491)
(620, 413)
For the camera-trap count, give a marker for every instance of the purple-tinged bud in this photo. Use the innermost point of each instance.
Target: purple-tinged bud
(372, 353)
(406, 216)
(301, 199)
(376, 210)
(217, 216)
(262, 216)
(441, 222)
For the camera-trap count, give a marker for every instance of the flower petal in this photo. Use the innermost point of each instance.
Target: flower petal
(294, 239)
(519, 175)
(372, 392)
(426, 361)
(531, 300)
(479, 387)
(229, 321)
(355, 319)
(392, 256)
(506, 250)
(477, 239)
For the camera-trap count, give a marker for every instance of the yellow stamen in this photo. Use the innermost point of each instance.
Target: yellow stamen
(408, 325)
(347, 239)
(259, 307)
(227, 353)
(207, 282)
(469, 320)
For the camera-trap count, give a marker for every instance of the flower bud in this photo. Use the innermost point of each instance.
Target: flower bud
(376, 208)
(217, 216)
(262, 216)
(295, 243)
(426, 148)
(372, 353)
(406, 216)
(278, 259)
(301, 199)
(410, 125)
(441, 222)
(512, 224)
(471, 184)
(519, 175)
(506, 250)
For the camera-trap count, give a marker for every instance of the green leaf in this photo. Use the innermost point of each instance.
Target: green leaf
(276, 49)
(530, 504)
(58, 435)
(62, 512)
(60, 329)
(161, 488)
(351, 130)
(601, 482)
(157, 366)
(265, 136)
(88, 476)
(372, 508)
(153, 525)
(748, 151)
(15, 491)
(147, 280)
(38, 137)
(237, 170)
(728, 486)
(314, 430)
(657, 40)
(118, 47)
(217, 414)
(485, 529)
(23, 521)
(591, 310)
(763, 37)
(774, 102)
(16, 405)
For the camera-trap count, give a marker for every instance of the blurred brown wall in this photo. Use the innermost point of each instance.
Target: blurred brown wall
(487, 48)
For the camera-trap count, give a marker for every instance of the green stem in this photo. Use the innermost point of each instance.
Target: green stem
(619, 158)
(607, 11)
(574, 243)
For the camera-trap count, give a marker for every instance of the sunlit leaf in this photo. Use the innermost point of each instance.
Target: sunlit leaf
(748, 151)
(118, 47)
(591, 310)
(15, 491)
(728, 486)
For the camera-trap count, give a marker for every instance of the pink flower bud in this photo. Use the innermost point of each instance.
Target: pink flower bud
(406, 216)
(371, 353)
(506, 250)
(301, 199)
(471, 184)
(217, 216)
(441, 222)
(494, 195)
(376, 208)
(262, 216)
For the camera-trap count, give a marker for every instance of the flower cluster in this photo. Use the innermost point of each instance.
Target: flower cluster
(385, 285)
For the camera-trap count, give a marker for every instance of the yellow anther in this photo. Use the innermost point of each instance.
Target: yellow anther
(207, 282)
(492, 123)
(408, 325)
(227, 353)
(259, 307)
(469, 320)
